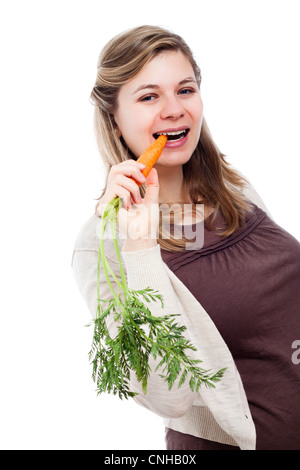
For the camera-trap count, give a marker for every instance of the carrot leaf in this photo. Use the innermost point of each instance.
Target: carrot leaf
(140, 335)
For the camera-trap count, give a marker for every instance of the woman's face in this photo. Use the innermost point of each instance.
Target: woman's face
(163, 98)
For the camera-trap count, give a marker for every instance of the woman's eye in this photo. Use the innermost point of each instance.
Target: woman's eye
(186, 91)
(147, 98)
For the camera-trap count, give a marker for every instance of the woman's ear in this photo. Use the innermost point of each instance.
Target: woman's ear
(116, 127)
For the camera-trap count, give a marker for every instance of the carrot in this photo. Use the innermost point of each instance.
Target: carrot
(151, 155)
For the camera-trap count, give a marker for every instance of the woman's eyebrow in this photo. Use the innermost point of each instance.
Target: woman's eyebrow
(143, 87)
(155, 87)
(187, 80)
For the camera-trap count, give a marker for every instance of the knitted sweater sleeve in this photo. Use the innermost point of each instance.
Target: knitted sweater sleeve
(144, 269)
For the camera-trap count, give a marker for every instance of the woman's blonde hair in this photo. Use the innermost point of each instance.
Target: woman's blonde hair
(208, 177)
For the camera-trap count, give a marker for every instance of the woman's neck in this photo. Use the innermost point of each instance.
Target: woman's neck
(171, 185)
(172, 190)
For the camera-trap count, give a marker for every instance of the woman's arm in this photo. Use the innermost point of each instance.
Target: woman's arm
(144, 268)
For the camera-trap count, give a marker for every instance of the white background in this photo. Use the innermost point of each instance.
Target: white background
(51, 175)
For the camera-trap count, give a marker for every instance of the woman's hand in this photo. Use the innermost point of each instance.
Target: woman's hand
(138, 218)
(120, 184)
(140, 223)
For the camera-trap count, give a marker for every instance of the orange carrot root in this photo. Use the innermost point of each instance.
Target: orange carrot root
(151, 155)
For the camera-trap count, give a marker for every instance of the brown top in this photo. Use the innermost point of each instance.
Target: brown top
(249, 284)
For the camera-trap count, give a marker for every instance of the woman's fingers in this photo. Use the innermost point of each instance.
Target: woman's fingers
(120, 177)
(120, 184)
(140, 222)
(131, 169)
(123, 182)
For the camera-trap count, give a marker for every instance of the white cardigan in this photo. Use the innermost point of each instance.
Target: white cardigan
(218, 414)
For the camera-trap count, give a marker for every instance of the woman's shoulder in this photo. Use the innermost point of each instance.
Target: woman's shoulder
(87, 237)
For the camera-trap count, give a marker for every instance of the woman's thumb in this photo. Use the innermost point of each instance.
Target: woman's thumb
(152, 187)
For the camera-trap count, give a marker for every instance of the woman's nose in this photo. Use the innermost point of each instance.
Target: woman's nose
(172, 109)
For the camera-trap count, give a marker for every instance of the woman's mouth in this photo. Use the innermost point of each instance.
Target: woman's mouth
(176, 138)
(173, 136)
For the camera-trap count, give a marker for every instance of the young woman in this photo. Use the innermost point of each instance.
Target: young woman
(238, 292)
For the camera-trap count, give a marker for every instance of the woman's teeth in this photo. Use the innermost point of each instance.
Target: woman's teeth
(175, 135)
